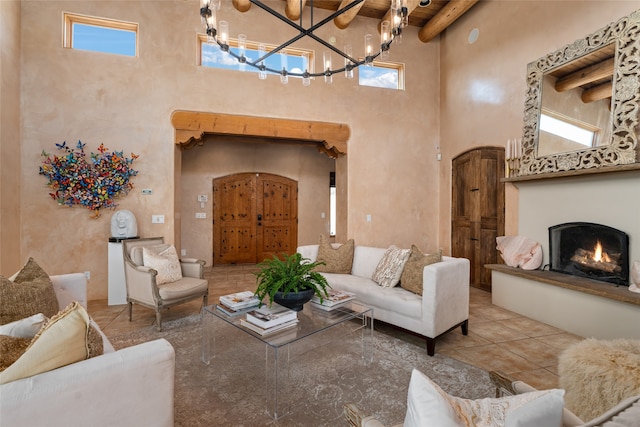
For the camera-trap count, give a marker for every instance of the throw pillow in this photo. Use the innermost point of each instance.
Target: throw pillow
(31, 292)
(428, 404)
(411, 278)
(11, 348)
(66, 338)
(24, 328)
(389, 270)
(164, 259)
(336, 260)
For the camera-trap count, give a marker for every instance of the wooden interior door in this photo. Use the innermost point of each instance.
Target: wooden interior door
(254, 216)
(477, 210)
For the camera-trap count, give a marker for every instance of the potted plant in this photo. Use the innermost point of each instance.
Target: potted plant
(290, 281)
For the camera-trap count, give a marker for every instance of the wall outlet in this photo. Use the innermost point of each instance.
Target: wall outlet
(201, 215)
(87, 274)
(183, 252)
(157, 219)
(368, 217)
(147, 191)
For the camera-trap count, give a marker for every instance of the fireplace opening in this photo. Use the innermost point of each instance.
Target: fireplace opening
(590, 250)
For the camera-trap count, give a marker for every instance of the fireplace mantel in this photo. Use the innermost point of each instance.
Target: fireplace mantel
(574, 283)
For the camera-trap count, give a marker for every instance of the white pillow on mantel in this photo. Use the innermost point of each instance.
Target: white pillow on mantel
(635, 277)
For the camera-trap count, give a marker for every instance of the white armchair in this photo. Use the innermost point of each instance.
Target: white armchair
(141, 283)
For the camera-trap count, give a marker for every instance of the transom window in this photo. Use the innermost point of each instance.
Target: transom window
(100, 34)
(388, 75)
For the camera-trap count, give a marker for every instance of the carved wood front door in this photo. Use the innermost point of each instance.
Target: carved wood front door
(255, 216)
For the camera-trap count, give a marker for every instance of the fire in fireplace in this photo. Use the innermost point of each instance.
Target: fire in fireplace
(590, 250)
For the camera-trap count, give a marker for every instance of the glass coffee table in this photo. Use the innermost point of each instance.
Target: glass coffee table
(352, 321)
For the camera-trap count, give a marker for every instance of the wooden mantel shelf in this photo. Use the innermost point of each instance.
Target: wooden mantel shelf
(574, 283)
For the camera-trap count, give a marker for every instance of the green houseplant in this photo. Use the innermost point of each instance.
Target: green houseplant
(290, 281)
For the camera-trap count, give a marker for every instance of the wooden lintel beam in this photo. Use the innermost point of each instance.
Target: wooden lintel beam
(597, 93)
(190, 126)
(294, 9)
(343, 20)
(242, 5)
(445, 17)
(588, 74)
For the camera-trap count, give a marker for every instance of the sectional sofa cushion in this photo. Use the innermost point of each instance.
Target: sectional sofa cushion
(428, 404)
(389, 269)
(336, 259)
(411, 278)
(28, 292)
(66, 338)
(164, 259)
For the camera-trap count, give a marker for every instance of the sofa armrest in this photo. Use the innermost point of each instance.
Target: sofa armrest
(131, 387)
(69, 288)
(356, 418)
(445, 293)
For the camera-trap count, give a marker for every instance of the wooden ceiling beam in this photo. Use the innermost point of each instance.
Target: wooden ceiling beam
(343, 20)
(294, 9)
(589, 74)
(242, 5)
(597, 93)
(445, 17)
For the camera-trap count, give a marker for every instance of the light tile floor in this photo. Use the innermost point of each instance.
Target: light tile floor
(498, 339)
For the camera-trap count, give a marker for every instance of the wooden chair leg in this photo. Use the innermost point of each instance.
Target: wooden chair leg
(130, 310)
(159, 319)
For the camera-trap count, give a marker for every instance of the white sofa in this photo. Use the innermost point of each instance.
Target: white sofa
(443, 306)
(130, 387)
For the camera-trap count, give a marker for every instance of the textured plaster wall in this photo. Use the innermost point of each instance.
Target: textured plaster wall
(483, 84)
(220, 157)
(126, 103)
(10, 165)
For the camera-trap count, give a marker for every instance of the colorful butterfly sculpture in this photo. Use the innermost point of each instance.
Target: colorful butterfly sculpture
(93, 183)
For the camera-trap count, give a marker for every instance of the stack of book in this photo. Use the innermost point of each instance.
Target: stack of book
(267, 320)
(238, 303)
(334, 299)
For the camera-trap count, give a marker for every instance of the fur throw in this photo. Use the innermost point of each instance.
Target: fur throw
(520, 251)
(598, 374)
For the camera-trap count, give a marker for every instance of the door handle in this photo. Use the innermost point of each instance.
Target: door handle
(474, 239)
(475, 189)
(259, 217)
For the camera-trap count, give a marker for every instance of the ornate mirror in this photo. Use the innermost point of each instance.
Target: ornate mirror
(591, 85)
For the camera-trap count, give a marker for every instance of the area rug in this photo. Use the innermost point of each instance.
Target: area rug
(230, 390)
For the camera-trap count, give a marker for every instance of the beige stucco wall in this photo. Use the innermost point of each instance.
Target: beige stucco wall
(483, 83)
(10, 166)
(126, 103)
(219, 157)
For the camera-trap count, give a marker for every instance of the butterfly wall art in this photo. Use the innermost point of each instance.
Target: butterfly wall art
(93, 182)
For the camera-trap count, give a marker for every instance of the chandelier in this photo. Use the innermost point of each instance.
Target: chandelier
(218, 32)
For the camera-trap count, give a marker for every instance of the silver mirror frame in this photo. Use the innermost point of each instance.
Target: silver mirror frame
(622, 149)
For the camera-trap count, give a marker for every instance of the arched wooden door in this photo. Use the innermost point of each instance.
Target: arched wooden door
(477, 210)
(255, 216)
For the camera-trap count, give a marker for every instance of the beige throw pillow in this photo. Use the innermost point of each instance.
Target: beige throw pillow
(164, 259)
(30, 292)
(411, 278)
(337, 260)
(429, 405)
(66, 338)
(389, 270)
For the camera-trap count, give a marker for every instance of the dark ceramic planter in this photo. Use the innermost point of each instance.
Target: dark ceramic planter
(294, 300)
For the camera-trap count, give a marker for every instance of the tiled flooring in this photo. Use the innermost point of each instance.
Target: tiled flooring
(498, 339)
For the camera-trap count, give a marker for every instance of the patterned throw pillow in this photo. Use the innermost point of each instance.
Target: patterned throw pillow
(337, 260)
(389, 269)
(66, 338)
(31, 292)
(428, 404)
(164, 259)
(411, 279)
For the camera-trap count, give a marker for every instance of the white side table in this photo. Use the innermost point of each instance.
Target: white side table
(117, 286)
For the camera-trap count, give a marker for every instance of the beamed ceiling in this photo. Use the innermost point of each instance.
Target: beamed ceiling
(432, 18)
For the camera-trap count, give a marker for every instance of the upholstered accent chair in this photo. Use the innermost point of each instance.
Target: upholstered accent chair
(156, 278)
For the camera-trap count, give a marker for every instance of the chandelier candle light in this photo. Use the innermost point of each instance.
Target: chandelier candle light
(218, 32)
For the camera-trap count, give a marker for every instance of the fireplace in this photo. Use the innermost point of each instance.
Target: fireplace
(590, 250)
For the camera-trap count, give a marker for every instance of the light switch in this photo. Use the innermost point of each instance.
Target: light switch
(157, 219)
(201, 215)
